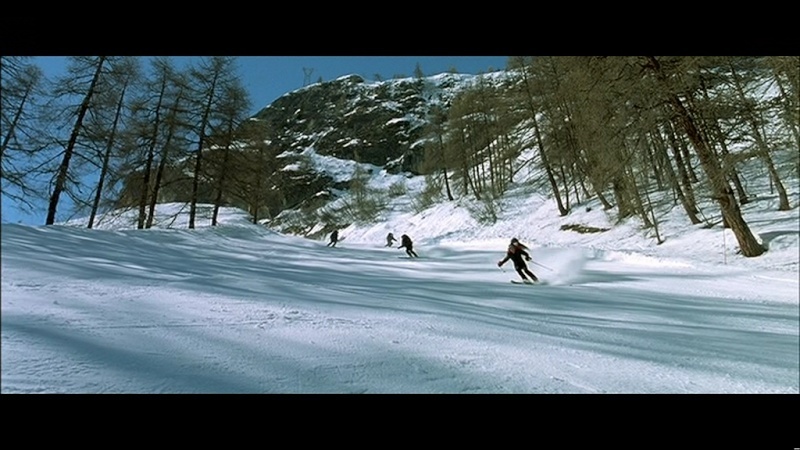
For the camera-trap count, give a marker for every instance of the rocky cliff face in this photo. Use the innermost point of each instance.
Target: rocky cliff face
(379, 123)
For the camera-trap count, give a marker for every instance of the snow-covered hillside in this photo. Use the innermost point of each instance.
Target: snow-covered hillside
(240, 308)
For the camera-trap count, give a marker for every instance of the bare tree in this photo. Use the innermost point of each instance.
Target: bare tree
(256, 163)
(123, 75)
(478, 139)
(710, 116)
(786, 75)
(722, 192)
(208, 81)
(435, 159)
(175, 127)
(20, 143)
(80, 67)
(528, 92)
(232, 109)
(687, 201)
(156, 111)
(752, 116)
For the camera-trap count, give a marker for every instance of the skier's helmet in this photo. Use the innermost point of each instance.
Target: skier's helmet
(515, 241)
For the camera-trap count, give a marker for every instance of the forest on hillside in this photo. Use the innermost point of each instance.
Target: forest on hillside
(632, 132)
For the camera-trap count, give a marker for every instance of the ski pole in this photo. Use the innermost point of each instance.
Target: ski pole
(542, 265)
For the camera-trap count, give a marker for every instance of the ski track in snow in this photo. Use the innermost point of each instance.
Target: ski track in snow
(249, 311)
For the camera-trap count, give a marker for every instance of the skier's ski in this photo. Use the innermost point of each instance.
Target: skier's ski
(532, 283)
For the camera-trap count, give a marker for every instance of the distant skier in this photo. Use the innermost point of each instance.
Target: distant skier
(334, 238)
(516, 252)
(405, 241)
(390, 240)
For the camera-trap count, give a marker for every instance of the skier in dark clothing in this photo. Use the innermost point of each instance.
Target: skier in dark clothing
(334, 238)
(516, 251)
(390, 240)
(405, 241)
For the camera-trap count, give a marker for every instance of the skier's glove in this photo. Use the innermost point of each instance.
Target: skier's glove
(527, 258)
(499, 263)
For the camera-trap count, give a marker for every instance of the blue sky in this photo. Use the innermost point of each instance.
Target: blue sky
(268, 77)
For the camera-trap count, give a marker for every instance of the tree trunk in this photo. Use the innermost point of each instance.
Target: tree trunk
(720, 138)
(444, 168)
(447, 185)
(686, 182)
(547, 168)
(686, 157)
(106, 158)
(621, 194)
(655, 163)
(606, 204)
(150, 157)
(157, 186)
(689, 208)
(564, 180)
(221, 183)
(162, 165)
(202, 137)
(764, 155)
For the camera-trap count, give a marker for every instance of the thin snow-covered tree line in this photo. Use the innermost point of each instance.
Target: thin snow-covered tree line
(621, 129)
